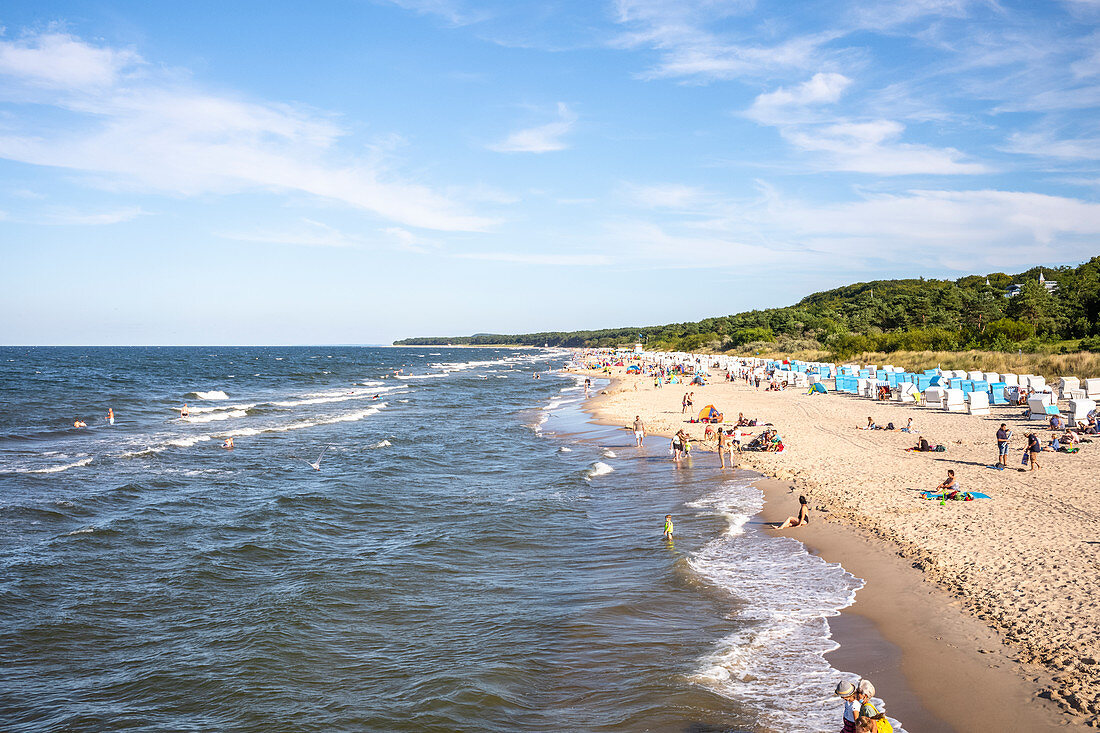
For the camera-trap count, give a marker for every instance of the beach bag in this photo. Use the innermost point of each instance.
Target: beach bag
(882, 725)
(890, 426)
(939, 449)
(1024, 461)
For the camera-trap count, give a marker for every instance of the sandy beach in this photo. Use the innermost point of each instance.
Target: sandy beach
(1019, 568)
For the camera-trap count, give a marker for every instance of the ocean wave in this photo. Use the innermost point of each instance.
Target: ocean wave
(599, 468)
(218, 408)
(215, 394)
(345, 417)
(213, 416)
(563, 449)
(434, 375)
(608, 453)
(82, 530)
(57, 469)
(382, 444)
(786, 596)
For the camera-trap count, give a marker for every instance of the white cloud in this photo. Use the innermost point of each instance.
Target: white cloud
(873, 147)
(158, 135)
(775, 107)
(59, 60)
(542, 139)
(1049, 147)
(678, 32)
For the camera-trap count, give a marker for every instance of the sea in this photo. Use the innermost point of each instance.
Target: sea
(401, 539)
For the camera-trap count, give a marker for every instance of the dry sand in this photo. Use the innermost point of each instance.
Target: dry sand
(1025, 563)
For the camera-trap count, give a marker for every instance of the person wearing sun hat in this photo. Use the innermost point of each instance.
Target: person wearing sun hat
(847, 692)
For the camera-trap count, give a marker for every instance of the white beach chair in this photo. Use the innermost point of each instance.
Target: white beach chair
(954, 400)
(934, 396)
(977, 403)
(1010, 380)
(1065, 384)
(992, 377)
(1079, 410)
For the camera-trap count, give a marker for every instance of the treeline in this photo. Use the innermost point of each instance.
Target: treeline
(972, 312)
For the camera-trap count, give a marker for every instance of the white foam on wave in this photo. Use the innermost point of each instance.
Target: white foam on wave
(382, 444)
(434, 375)
(563, 449)
(212, 416)
(57, 469)
(219, 408)
(345, 417)
(599, 468)
(215, 394)
(327, 398)
(775, 662)
(608, 453)
(82, 530)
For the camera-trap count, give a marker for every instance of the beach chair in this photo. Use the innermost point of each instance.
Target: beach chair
(907, 392)
(954, 400)
(991, 377)
(1010, 380)
(1092, 389)
(1079, 410)
(1040, 404)
(997, 394)
(977, 403)
(934, 397)
(1067, 385)
(975, 376)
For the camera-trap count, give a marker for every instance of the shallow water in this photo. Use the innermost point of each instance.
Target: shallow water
(472, 555)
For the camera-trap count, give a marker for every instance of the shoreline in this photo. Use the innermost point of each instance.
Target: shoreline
(936, 666)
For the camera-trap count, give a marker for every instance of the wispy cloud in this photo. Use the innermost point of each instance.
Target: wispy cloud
(874, 147)
(542, 139)
(61, 61)
(1046, 146)
(667, 196)
(680, 33)
(156, 134)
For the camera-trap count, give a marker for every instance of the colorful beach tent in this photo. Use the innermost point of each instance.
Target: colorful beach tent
(633, 369)
(817, 387)
(710, 414)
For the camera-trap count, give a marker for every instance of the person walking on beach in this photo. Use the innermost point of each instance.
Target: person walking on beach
(1003, 436)
(1034, 448)
(668, 527)
(690, 401)
(639, 430)
(724, 448)
(684, 404)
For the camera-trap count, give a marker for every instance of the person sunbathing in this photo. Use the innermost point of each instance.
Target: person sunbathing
(870, 425)
(950, 483)
(802, 518)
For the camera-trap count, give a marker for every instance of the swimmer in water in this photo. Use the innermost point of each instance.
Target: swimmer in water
(110, 416)
(80, 424)
(228, 444)
(184, 412)
(668, 526)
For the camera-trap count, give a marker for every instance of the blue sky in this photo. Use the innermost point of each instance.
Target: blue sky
(356, 171)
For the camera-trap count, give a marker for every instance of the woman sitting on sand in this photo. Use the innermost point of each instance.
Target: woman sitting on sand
(922, 445)
(950, 483)
(802, 518)
(870, 425)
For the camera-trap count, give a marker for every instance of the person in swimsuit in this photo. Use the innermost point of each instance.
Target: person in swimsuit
(228, 444)
(639, 430)
(184, 412)
(110, 416)
(668, 527)
(949, 484)
(802, 518)
(80, 424)
(724, 448)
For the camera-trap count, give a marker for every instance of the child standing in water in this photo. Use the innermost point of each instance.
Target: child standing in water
(668, 526)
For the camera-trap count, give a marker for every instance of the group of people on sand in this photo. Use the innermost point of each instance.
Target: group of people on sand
(860, 714)
(872, 425)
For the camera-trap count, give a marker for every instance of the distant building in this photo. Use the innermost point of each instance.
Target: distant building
(1013, 290)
